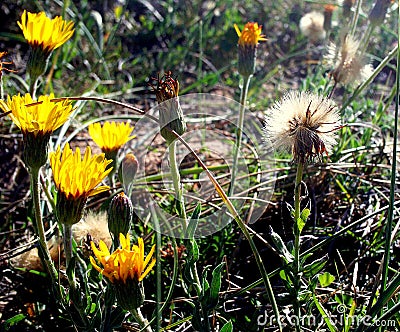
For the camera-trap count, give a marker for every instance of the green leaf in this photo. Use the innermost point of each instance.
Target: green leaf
(228, 327)
(215, 286)
(191, 229)
(326, 279)
(280, 246)
(301, 222)
(324, 314)
(13, 320)
(313, 268)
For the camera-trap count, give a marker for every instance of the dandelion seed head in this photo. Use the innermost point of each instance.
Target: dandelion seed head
(312, 26)
(303, 123)
(347, 62)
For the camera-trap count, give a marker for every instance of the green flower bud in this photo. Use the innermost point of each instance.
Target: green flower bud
(120, 215)
(127, 171)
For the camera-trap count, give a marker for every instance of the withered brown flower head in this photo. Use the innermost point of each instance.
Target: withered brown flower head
(5, 63)
(170, 111)
(167, 87)
(303, 123)
(348, 63)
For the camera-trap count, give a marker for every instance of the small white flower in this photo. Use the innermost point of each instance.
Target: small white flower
(349, 65)
(312, 26)
(303, 123)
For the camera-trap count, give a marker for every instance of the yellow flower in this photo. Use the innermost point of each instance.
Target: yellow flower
(251, 34)
(37, 121)
(247, 47)
(125, 263)
(37, 117)
(78, 178)
(112, 136)
(41, 31)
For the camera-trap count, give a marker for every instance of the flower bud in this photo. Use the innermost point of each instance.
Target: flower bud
(328, 11)
(120, 215)
(127, 171)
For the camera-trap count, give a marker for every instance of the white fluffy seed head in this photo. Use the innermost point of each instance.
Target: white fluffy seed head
(312, 26)
(347, 63)
(303, 123)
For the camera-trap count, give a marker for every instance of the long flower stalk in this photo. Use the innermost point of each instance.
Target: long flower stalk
(239, 131)
(144, 325)
(296, 262)
(39, 228)
(176, 180)
(389, 223)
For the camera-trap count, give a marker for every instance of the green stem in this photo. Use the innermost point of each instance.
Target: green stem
(144, 325)
(67, 229)
(176, 180)
(389, 223)
(296, 231)
(354, 20)
(39, 227)
(33, 87)
(239, 131)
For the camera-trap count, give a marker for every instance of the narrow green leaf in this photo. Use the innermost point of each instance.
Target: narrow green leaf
(215, 286)
(324, 314)
(280, 246)
(313, 268)
(13, 320)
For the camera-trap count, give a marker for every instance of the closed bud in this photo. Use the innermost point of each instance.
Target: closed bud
(120, 215)
(127, 171)
(328, 11)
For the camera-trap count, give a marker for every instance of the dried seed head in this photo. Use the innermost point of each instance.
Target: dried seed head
(303, 123)
(347, 62)
(312, 26)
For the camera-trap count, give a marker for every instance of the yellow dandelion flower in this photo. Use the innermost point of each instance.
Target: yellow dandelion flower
(247, 47)
(41, 31)
(77, 179)
(250, 35)
(125, 263)
(37, 121)
(37, 117)
(111, 136)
